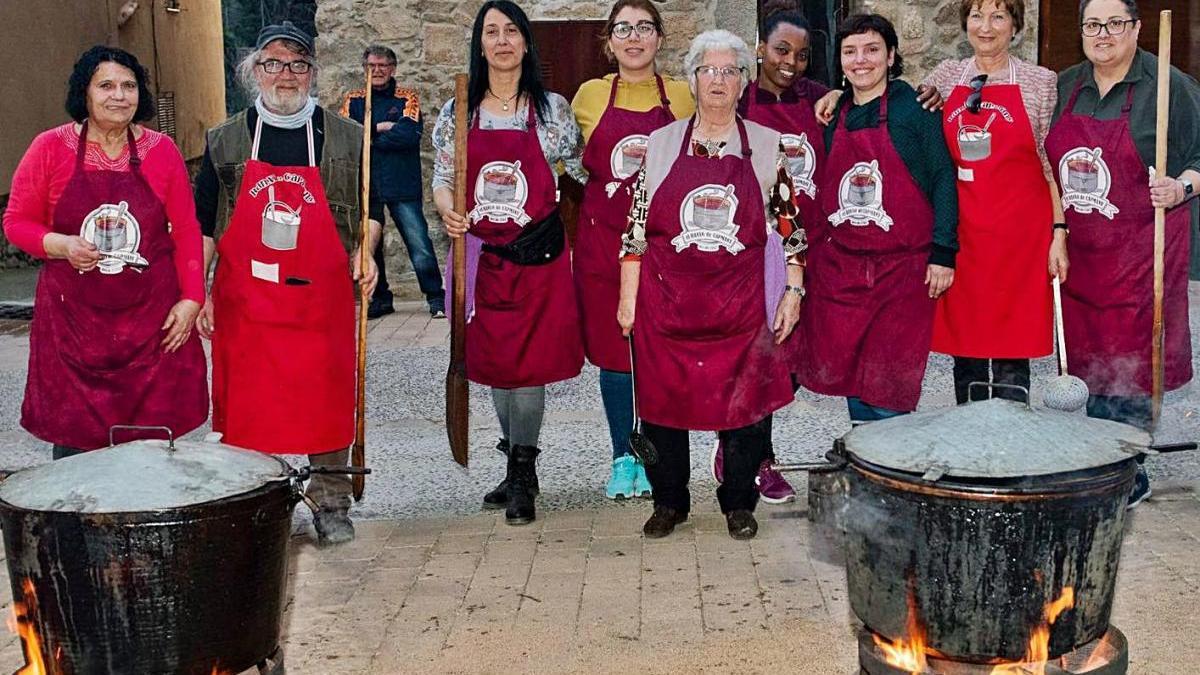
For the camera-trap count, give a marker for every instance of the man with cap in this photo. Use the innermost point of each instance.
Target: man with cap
(278, 201)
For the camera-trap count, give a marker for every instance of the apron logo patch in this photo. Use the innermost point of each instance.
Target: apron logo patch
(860, 198)
(500, 194)
(801, 162)
(626, 159)
(706, 217)
(1086, 180)
(280, 223)
(115, 233)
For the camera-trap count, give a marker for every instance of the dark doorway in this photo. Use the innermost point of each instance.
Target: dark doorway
(823, 17)
(570, 53)
(1060, 47)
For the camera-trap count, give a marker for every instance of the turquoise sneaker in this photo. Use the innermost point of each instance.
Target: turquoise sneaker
(641, 484)
(620, 485)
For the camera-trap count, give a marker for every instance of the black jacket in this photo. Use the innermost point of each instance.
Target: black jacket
(396, 153)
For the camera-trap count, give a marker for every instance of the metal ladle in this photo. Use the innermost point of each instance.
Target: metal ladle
(639, 445)
(1065, 392)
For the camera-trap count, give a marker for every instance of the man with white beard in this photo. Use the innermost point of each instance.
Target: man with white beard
(278, 201)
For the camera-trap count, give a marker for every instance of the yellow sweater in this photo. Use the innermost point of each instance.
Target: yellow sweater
(592, 98)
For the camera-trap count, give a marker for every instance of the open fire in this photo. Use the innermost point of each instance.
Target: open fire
(912, 655)
(22, 623)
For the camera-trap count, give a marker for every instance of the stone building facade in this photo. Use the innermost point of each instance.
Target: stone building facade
(431, 39)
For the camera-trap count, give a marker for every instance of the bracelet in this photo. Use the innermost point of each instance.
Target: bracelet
(1063, 227)
(798, 290)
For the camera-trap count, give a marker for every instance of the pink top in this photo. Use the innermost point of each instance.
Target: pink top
(47, 166)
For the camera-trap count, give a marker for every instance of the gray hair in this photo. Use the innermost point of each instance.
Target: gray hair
(380, 51)
(245, 67)
(715, 41)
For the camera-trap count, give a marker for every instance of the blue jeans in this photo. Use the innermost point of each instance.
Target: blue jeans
(865, 412)
(414, 230)
(616, 392)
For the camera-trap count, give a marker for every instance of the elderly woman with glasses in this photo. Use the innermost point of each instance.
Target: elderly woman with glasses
(888, 254)
(1101, 145)
(997, 113)
(693, 272)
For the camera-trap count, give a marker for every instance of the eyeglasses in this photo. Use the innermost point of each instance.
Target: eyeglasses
(1113, 26)
(713, 72)
(975, 98)
(376, 67)
(623, 29)
(275, 66)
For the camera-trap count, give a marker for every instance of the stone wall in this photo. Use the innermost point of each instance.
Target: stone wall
(930, 32)
(431, 39)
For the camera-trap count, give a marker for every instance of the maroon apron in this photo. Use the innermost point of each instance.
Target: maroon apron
(95, 357)
(706, 356)
(613, 154)
(284, 347)
(868, 317)
(999, 306)
(525, 330)
(803, 142)
(1108, 310)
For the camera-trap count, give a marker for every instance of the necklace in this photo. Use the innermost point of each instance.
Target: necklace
(504, 101)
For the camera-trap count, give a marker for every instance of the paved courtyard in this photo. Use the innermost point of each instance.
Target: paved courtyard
(431, 585)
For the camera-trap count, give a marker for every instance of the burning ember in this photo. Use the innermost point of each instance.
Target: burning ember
(1038, 651)
(22, 623)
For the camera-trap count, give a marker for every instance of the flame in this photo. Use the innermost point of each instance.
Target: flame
(907, 654)
(22, 623)
(1037, 653)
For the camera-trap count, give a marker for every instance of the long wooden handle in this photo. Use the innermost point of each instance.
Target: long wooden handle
(1160, 215)
(1058, 326)
(358, 456)
(457, 389)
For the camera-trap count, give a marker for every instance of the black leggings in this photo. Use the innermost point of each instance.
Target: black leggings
(744, 449)
(1003, 371)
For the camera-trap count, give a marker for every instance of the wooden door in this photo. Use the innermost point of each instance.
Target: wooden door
(1059, 40)
(570, 53)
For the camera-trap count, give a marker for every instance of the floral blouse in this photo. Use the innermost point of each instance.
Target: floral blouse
(561, 141)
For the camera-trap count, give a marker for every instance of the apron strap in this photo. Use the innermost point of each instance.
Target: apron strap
(883, 106)
(612, 91)
(684, 147)
(746, 152)
(81, 146)
(662, 92)
(135, 160)
(1128, 102)
(1070, 109)
(312, 150)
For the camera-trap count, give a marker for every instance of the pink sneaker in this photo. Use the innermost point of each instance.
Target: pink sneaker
(773, 488)
(717, 461)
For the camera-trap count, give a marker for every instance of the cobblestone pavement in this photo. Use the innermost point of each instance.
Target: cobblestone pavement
(433, 586)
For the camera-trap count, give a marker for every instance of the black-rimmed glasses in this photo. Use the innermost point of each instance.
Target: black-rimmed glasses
(623, 29)
(1092, 28)
(275, 66)
(975, 98)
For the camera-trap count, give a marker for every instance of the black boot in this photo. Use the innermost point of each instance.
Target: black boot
(522, 486)
(498, 497)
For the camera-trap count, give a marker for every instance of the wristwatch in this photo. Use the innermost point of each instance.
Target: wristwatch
(1188, 188)
(1063, 227)
(798, 290)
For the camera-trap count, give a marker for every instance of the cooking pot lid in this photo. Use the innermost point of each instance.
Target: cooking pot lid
(141, 476)
(994, 439)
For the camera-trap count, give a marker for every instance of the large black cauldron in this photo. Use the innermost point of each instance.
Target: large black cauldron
(151, 557)
(985, 513)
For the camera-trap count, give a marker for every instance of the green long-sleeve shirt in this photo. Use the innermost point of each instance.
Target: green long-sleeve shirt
(917, 136)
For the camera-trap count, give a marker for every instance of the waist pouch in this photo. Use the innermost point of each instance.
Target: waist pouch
(538, 244)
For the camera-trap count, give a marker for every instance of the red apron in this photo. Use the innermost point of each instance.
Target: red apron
(804, 149)
(706, 356)
(999, 306)
(95, 358)
(284, 347)
(613, 154)
(1108, 310)
(525, 330)
(803, 145)
(867, 320)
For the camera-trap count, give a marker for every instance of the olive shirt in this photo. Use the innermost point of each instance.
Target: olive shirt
(917, 135)
(1183, 124)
